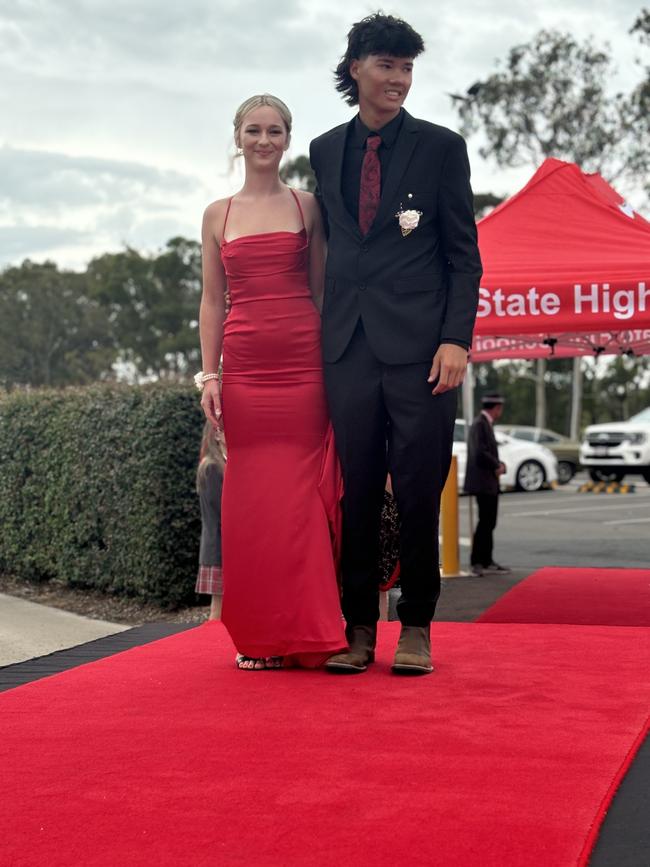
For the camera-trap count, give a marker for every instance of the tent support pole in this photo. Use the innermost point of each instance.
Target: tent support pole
(540, 393)
(576, 398)
(468, 415)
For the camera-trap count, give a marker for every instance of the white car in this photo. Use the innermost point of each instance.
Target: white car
(529, 466)
(613, 450)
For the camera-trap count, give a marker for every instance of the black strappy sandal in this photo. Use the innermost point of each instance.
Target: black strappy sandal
(274, 662)
(241, 660)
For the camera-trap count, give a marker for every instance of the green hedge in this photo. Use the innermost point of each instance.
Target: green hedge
(97, 488)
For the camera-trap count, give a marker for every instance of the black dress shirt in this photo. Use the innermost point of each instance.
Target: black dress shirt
(355, 148)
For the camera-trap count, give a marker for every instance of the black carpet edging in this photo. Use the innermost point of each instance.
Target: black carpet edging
(19, 673)
(624, 839)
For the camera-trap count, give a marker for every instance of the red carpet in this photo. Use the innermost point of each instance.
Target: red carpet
(588, 597)
(167, 755)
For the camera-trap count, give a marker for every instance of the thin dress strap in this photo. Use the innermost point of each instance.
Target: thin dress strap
(223, 230)
(302, 216)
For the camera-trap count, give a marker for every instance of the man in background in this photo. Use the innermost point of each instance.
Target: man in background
(482, 479)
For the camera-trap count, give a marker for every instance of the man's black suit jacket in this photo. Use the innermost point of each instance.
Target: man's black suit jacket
(482, 458)
(415, 292)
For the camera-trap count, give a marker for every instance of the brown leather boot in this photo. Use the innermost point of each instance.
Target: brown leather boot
(362, 641)
(413, 654)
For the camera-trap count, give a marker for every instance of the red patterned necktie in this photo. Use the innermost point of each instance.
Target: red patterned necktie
(370, 189)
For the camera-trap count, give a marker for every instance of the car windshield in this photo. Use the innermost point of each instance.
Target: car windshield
(643, 416)
(522, 433)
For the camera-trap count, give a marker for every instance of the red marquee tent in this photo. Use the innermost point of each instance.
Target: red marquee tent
(567, 271)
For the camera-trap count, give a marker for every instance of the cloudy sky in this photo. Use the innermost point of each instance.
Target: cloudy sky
(116, 115)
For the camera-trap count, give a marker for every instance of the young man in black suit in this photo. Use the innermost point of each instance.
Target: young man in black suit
(401, 293)
(482, 479)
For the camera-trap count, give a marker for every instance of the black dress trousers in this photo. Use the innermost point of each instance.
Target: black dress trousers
(483, 542)
(385, 419)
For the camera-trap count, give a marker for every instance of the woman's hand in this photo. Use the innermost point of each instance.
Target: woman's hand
(211, 403)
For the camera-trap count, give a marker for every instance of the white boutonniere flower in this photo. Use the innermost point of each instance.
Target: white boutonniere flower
(408, 220)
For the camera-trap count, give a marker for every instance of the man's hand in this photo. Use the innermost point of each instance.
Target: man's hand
(501, 469)
(448, 367)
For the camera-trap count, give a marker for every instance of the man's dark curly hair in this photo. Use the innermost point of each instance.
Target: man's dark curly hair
(376, 34)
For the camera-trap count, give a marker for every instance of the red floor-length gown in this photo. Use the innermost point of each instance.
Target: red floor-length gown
(281, 488)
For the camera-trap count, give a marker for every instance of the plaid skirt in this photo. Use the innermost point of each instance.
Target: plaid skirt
(209, 580)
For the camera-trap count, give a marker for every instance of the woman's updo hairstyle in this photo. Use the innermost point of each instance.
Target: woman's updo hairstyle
(257, 101)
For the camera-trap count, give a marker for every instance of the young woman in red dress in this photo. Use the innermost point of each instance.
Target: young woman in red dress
(265, 246)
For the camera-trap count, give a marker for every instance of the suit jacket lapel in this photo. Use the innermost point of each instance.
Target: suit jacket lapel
(337, 154)
(404, 147)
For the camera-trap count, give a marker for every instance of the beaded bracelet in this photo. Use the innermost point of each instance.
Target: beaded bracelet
(201, 378)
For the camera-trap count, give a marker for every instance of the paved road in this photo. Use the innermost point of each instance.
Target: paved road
(28, 629)
(566, 528)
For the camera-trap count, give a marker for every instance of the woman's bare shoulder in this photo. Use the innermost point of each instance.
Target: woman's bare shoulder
(216, 210)
(214, 218)
(308, 203)
(306, 199)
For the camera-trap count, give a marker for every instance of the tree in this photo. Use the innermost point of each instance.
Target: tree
(635, 111)
(178, 270)
(519, 383)
(553, 98)
(484, 203)
(298, 173)
(616, 388)
(51, 332)
(131, 312)
(153, 304)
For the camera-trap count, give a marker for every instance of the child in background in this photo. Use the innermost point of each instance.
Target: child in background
(209, 482)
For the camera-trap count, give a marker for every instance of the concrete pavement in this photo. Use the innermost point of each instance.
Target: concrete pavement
(28, 629)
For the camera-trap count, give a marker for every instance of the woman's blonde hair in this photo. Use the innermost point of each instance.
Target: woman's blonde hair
(213, 451)
(256, 101)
